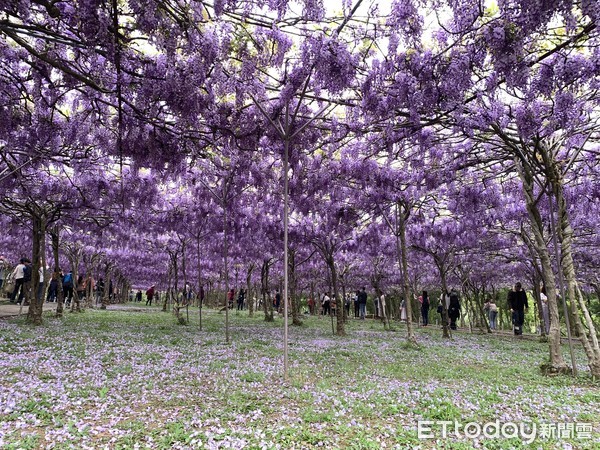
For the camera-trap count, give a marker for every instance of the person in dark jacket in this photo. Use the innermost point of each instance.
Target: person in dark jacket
(517, 302)
(67, 282)
(362, 303)
(240, 300)
(425, 308)
(453, 309)
(53, 287)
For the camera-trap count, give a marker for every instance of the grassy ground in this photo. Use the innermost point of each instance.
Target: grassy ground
(135, 379)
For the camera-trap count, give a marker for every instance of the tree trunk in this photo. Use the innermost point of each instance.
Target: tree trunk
(226, 266)
(88, 285)
(199, 283)
(442, 270)
(34, 315)
(344, 299)
(60, 295)
(292, 281)
(312, 295)
(106, 294)
(538, 301)
(565, 234)
(264, 280)
(401, 252)
(249, 298)
(43, 250)
(340, 329)
(74, 260)
(557, 363)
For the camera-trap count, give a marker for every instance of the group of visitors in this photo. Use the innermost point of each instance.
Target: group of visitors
(20, 277)
(82, 287)
(16, 283)
(518, 304)
(328, 306)
(150, 292)
(451, 302)
(241, 299)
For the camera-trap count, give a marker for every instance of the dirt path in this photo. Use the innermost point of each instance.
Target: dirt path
(8, 309)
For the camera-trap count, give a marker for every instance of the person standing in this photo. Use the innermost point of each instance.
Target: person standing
(80, 288)
(347, 303)
(200, 296)
(277, 301)
(362, 303)
(53, 287)
(403, 316)
(19, 276)
(517, 301)
(187, 294)
(149, 295)
(240, 300)
(425, 308)
(492, 312)
(326, 304)
(67, 283)
(40, 289)
(453, 309)
(138, 296)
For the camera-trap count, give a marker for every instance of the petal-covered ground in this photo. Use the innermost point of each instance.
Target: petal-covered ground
(135, 379)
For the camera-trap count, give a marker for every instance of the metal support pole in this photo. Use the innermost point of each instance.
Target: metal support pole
(285, 243)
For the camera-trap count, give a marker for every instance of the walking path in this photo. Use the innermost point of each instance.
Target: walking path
(8, 309)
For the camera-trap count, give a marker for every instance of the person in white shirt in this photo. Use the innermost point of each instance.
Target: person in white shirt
(545, 310)
(492, 309)
(40, 289)
(19, 276)
(326, 303)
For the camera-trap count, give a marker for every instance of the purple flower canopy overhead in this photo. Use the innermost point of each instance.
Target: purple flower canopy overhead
(154, 133)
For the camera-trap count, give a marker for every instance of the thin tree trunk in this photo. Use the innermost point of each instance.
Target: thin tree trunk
(293, 285)
(44, 264)
(249, 298)
(106, 294)
(199, 283)
(60, 294)
(401, 251)
(264, 279)
(340, 329)
(76, 302)
(445, 328)
(226, 266)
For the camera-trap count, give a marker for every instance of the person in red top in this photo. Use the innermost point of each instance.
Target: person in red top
(150, 295)
(230, 296)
